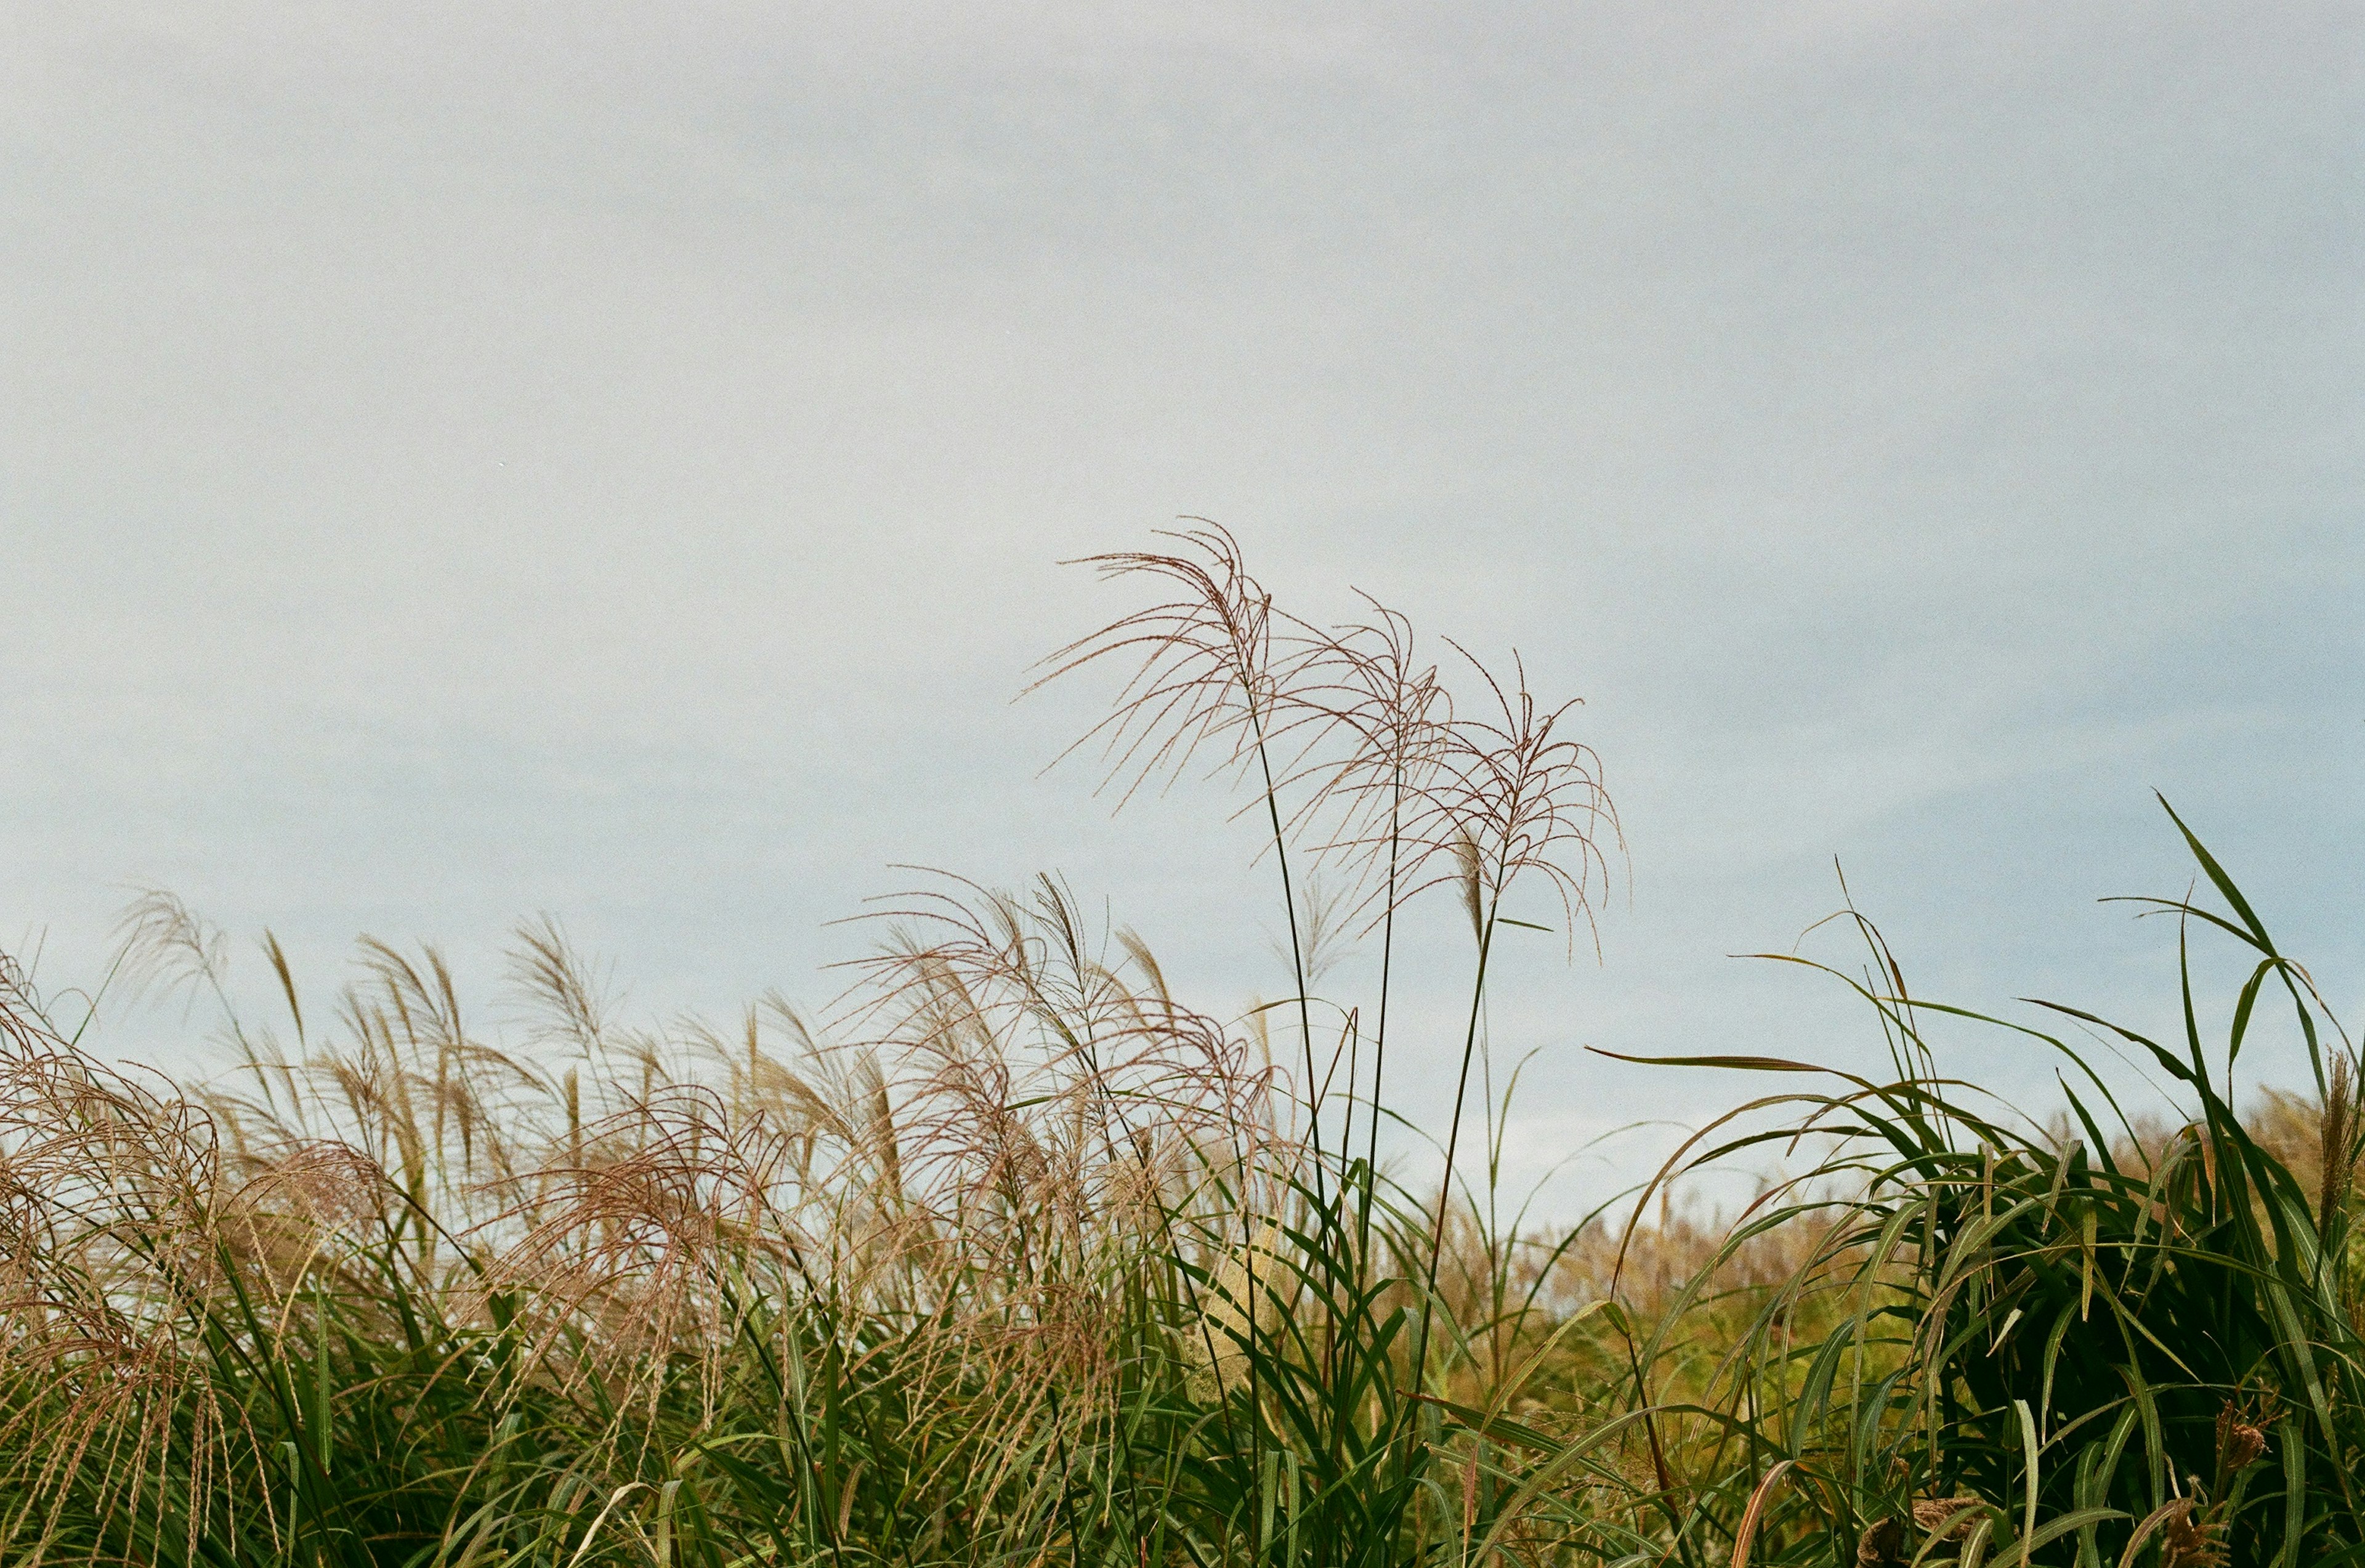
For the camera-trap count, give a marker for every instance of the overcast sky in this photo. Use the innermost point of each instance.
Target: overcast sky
(461, 462)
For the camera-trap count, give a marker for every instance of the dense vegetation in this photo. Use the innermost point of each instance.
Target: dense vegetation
(1023, 1260)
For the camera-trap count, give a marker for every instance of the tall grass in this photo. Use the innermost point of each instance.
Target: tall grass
(1021, 1258)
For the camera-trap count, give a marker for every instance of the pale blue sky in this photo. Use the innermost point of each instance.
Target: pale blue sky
(458, 462)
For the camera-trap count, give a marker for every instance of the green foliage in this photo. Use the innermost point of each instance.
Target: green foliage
(2102, 1344)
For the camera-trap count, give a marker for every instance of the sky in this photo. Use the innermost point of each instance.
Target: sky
(463, 462)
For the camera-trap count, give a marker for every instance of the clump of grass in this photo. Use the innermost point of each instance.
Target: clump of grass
(2116, 1343)
(1019, 1258)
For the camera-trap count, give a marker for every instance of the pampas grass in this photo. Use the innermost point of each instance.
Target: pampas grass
(1019, 1258)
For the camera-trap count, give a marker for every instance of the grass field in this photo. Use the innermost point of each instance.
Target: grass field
(1023, 1260)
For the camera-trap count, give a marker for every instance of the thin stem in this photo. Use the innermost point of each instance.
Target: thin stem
(1296, 946)
(1452, 1144)
(1305, 1033)
(1379, 1035)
